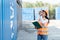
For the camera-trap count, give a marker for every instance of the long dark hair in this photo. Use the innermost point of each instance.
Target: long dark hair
(46, 15)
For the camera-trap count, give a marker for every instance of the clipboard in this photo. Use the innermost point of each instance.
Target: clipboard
(37, 25)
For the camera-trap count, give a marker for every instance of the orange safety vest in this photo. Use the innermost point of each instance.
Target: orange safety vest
(43, 31)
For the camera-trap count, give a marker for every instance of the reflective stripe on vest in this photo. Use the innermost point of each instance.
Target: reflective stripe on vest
(43, 31)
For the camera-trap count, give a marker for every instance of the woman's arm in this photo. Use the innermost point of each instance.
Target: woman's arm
(43, 25)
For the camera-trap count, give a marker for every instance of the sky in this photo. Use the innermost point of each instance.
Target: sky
(47, 1)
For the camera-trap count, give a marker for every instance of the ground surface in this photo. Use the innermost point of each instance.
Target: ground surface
(31, 34)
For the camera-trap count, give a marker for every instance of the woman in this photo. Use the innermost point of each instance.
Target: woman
(43, 21)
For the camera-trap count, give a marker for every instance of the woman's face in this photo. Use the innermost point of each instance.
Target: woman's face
(40, 13)
(43, 14)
